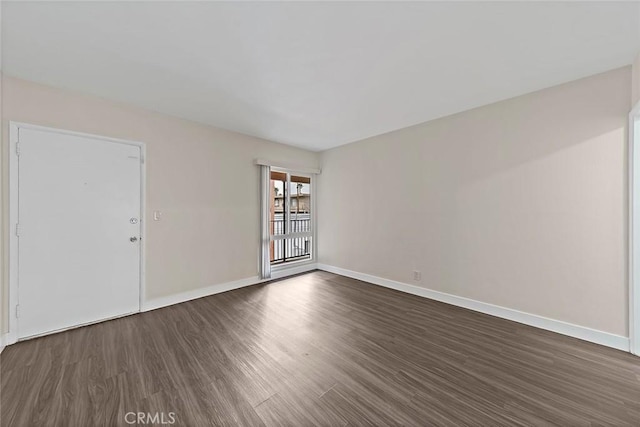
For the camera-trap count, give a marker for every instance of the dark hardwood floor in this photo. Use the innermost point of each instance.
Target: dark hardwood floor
(317, 349)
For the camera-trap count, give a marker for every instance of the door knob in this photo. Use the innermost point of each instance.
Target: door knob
(133, 239)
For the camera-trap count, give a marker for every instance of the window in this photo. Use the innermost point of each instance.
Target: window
(290, 219)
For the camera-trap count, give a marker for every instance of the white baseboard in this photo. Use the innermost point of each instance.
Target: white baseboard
(197, 293)
(221, 287)
(7, 339)
(10, 338)
(587, 334)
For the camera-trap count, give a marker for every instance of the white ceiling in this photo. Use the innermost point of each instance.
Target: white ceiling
(314, 75)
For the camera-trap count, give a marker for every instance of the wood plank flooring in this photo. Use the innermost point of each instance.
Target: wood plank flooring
(317, 349)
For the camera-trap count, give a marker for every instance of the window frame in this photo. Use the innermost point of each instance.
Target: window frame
(286, 205)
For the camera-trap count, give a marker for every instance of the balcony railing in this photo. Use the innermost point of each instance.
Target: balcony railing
(292, 249)
(297, 225)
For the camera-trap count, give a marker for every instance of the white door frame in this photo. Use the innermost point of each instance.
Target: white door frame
(634, 233)
(14, 129)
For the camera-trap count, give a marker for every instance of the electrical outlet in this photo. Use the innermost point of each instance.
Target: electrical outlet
(417, 276)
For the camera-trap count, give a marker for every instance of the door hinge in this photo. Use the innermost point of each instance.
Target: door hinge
(18, 230)
(17, 310)
(18, 148)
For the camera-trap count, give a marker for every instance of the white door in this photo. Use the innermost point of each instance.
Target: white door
(79, 230)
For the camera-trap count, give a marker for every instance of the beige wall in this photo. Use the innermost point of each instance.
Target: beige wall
(203, 180)
(635, 85)
(521, 203)
(3, 282)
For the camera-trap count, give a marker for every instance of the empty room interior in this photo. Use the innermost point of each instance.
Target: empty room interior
(320, 213)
